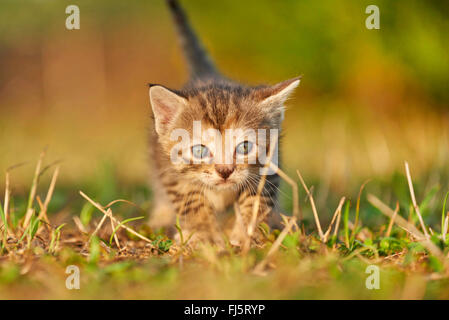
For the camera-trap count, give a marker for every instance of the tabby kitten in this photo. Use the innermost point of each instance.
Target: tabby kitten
(202, 185)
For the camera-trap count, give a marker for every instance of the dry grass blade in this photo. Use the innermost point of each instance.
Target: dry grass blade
(106, 213)
(357, 209)
(336, 214)
(412, 194)
(238, 231)
(7, 197)
(398, 220)
(390, 225)
(49, 195)
(110, 204)
(261, 265)
(256, 206)
(260, 186)
(337, 225)
(294, 186)
(405, 224)
(42, 216)
(113, 229)
(445, 228)
(312, 203)
(79, 224)
(8, 191)
(103, 219)
(29, 209)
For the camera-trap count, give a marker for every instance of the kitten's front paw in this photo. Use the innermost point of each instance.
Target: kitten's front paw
(194, 239)
(237, 238)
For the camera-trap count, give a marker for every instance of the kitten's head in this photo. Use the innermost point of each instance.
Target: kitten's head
(219, 134)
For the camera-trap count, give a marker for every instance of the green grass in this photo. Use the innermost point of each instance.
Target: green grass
(35, 256)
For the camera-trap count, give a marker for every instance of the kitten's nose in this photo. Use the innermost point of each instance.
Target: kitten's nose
(224, 170)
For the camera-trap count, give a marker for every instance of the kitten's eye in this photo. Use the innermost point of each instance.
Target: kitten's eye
(199, 151)
(244, 148)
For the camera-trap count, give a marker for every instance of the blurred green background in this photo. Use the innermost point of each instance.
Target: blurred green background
(369, 99)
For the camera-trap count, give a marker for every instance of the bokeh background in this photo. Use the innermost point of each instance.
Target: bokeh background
(369, 99)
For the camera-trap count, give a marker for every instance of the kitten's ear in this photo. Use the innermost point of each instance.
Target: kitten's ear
(275, 96)
(166, 104)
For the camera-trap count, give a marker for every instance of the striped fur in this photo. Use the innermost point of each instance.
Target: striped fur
(194, 191)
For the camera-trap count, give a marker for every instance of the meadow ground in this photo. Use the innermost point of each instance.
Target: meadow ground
(51, 226)
(369, 100)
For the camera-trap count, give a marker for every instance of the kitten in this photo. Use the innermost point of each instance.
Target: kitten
(201, 185)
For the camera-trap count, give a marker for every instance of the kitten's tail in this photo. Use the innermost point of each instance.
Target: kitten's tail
(200, 65)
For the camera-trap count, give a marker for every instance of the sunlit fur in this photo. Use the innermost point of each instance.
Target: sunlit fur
(197, 191)
(220, 106)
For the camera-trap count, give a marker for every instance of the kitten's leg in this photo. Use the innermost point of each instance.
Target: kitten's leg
(246, 204)
(196, 217)
(267, 208)
(162, 214)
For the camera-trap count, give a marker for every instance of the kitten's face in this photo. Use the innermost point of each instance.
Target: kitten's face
(217, 156)
(219, 136)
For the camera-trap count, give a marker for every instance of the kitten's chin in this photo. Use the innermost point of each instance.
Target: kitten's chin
(223, 185)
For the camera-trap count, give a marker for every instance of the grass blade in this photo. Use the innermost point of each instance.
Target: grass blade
(346, 223)
(443, 213)
(415, 205)
(122, 224)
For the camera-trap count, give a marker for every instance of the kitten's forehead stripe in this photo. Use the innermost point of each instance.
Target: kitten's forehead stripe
(224, 105)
